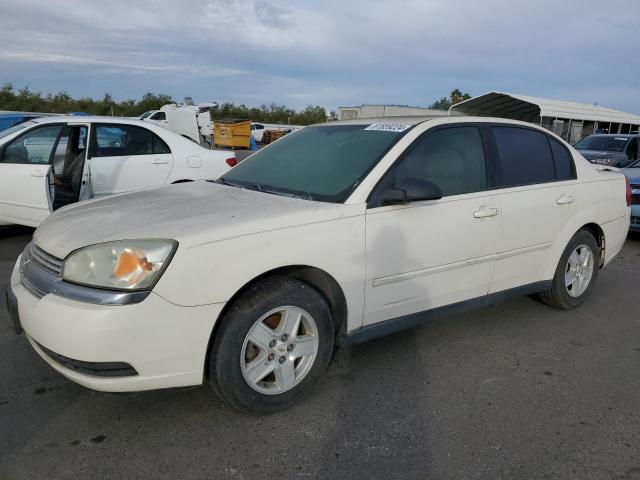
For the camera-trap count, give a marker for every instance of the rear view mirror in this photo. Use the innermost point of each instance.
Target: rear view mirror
(411, 190)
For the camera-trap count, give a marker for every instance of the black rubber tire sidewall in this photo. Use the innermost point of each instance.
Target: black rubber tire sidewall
(558, 295)
(224, 359)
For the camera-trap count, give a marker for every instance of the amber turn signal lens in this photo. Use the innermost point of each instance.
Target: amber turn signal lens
(132, 266)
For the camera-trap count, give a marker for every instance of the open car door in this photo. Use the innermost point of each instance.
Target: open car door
(69, 180)
(24, 165)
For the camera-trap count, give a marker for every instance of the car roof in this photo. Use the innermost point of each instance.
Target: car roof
(440, 119)
(89, 118)
(620, 135)
(370, 120)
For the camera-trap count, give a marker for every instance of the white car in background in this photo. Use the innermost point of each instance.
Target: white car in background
(340, 232)
(50, 162)
(258, 129)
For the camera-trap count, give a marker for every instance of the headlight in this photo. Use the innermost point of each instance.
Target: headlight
(121, 265)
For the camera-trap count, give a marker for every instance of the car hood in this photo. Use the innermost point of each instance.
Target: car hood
(598, 154)
(192, 213)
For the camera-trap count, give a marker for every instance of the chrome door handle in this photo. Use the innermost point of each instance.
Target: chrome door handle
(36, 173)
(485, 212)
(159, 161)
(564, 200)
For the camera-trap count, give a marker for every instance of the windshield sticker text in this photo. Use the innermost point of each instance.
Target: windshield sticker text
(388, 127)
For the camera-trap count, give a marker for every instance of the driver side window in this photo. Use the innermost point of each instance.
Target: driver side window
(34, 147)
(452, 158)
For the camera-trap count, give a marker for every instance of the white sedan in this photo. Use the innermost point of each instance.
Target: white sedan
(50, 162)
(337, 233)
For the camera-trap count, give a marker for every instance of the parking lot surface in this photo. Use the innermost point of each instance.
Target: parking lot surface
(518, 390)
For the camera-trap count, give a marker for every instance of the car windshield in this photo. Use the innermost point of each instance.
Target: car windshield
(16, 128)
(322, 163)
(602, 143)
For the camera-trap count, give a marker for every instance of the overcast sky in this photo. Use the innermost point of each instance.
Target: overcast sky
(327, 52)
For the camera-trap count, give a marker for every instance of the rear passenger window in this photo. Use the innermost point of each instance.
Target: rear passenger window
(452, 158)
(126, 140)
(565, 170)
(525, 156)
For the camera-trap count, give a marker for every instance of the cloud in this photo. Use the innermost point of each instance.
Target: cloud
(42, 57)
(327, 52)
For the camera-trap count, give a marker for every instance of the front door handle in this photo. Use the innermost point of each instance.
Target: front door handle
(37, 173)
(484, 212)
(159, 161)
(564, 199)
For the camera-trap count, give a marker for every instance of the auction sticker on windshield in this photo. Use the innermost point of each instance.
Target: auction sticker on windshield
(388, 127)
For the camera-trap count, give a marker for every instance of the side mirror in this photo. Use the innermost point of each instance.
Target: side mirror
(411, 190)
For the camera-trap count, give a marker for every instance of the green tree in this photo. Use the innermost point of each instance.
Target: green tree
(61, 102)
(456, 96)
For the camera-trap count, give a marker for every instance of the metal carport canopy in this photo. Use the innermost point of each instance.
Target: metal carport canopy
(509, 105)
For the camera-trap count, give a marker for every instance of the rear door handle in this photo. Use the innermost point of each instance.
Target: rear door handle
(159, 161)
(564, 199)
(484, 212)
(37, 173)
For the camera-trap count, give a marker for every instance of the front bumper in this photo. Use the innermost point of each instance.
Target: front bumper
(165, 344)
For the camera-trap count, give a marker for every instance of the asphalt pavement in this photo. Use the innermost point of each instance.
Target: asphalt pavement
(518, 391)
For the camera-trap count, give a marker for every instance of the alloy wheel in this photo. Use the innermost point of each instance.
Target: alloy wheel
(579, 270)
(279, 350)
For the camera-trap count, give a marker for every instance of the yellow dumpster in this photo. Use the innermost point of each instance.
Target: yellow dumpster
(232, 132)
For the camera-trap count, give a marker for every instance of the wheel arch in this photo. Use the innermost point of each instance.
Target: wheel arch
(319, 279)
(598, 233)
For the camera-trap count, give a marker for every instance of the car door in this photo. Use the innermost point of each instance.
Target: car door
(125, 157)
(69, 177)
(539, 194)
(432, 253)
(24, 164)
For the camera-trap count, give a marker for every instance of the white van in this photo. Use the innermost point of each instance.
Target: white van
(190, 121)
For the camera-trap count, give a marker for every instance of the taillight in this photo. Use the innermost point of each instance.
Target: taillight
(629, 192)
(232, 162)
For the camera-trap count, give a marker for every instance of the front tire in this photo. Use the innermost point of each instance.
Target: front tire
(576, 273)
(272, 346)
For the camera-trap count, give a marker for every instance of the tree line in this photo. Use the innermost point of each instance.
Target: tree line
(26, 100)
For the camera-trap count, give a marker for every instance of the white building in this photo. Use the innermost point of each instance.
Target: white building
(570, 120)
(369, 111)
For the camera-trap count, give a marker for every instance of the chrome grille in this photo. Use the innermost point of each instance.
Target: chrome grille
(46, 261)
(635, 221)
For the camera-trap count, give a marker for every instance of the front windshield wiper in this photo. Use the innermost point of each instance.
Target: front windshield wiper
(261, 189)
(224, 181)
(258, 187)
(308, 197)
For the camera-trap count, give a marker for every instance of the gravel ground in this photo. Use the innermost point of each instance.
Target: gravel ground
(517, 390)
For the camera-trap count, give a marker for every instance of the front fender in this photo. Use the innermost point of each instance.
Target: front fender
(213, 272)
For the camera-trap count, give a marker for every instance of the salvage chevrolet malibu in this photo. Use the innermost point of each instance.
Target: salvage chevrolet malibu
(335, 234)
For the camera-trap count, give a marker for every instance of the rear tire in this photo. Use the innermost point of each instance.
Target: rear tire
(576, 273)
(272, 346)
